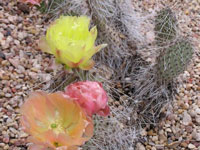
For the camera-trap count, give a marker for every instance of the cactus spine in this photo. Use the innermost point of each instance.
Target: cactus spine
(173, 60)
(165, 26)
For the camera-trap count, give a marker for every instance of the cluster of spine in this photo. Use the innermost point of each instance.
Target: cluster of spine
(154, 82)
(165, 26)
(173, 60)
(107, 15)
(55, 8)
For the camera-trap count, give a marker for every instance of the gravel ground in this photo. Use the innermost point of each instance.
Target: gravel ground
(23, 68)
(180, 128)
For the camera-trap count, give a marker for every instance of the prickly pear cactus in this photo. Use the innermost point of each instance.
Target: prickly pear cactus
(165, 26)
(106, 17)
(173, 60)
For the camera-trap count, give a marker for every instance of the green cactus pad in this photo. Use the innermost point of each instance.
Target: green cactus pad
(173, 60)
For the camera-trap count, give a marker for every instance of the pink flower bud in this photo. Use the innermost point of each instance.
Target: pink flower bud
(91, 96)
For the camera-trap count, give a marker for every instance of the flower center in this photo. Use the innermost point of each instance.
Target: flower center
(54, 125)
(56, 144)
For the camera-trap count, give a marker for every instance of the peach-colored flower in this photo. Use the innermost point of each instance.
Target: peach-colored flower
(34, 2)
(91, 96)
(55, 122)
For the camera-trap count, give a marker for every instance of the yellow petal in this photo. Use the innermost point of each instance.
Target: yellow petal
(70, 41)
(93, 51)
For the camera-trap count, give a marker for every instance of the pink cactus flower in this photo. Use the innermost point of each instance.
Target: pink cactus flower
(91, 96)
(34, 2)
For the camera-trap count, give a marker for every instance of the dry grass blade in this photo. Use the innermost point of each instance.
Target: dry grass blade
(113, 133)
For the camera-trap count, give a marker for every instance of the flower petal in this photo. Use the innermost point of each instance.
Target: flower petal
(87, 65)
(34, 2)
(70, 41)
(43, 45)
(36, 147)
(90, 95)
(55, 121)
(104, 112)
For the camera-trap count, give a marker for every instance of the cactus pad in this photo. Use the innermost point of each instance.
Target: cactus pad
(173, 60)
(165, 26)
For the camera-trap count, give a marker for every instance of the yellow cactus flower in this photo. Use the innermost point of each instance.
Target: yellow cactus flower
(55, 122)
(70, 41)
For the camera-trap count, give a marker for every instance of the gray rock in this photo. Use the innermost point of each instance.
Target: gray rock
(186, 118)
(8, 95)
(191, 146)
(2, 55)
(198, 119)
(197, 110)
(196, 136)
(139, 146)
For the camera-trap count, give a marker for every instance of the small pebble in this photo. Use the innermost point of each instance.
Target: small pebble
(191, 146)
